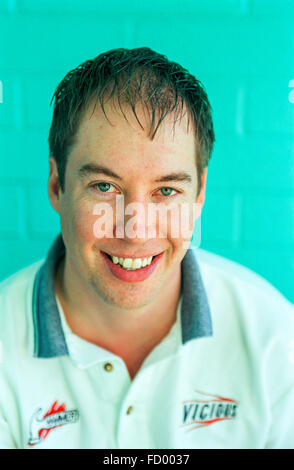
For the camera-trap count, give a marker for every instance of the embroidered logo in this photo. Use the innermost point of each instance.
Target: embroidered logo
(202, 412)
(41, 425)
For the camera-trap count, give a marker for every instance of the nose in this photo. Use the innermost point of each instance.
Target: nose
(131, 220)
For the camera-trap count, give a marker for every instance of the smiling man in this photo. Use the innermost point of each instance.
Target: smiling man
(126, 311)
(123, 337)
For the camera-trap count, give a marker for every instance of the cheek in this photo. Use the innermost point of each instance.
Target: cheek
(81, 221)
(181, 223)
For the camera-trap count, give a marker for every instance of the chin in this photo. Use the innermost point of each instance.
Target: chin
(125, 298)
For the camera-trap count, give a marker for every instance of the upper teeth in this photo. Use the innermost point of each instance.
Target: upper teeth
(129, 263)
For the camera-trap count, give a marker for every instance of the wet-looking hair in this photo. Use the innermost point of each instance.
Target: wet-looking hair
(131, 76)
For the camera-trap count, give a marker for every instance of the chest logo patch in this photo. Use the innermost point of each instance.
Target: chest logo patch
(41, 424)
(207, 409)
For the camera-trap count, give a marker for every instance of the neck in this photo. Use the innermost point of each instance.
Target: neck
(125, 332)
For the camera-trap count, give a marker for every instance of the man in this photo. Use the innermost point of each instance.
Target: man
(123, 337)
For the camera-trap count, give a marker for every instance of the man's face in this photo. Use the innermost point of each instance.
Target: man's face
(138, 163)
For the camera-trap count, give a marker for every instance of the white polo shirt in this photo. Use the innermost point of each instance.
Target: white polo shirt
(222, 378)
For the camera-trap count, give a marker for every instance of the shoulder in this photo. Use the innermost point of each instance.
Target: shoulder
(16, 295)
(232, 271)
(15, 288)
(239, 292)
(251, 320)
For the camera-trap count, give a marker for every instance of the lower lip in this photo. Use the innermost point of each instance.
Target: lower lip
(137, 275)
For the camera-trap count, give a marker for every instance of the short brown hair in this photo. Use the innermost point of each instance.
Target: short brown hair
(135, 75)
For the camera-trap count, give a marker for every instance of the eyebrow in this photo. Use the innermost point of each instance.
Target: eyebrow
(90, 169)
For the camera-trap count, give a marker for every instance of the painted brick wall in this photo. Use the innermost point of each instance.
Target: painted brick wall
(242, 51)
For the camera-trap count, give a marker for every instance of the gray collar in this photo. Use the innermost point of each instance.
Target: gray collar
(49, 337)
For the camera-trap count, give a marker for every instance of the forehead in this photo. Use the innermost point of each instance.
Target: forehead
(121, 137)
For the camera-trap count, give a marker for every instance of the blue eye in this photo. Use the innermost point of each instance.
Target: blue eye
(108, 188)
(103, 187)
(166, 191)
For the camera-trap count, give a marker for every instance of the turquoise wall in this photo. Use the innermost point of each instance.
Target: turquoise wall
(243, 52)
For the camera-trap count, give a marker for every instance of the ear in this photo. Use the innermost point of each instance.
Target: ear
(53, 185)
(201, 196)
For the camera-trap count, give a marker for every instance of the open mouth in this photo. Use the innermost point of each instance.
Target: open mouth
(126, 268)
(132, 271)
